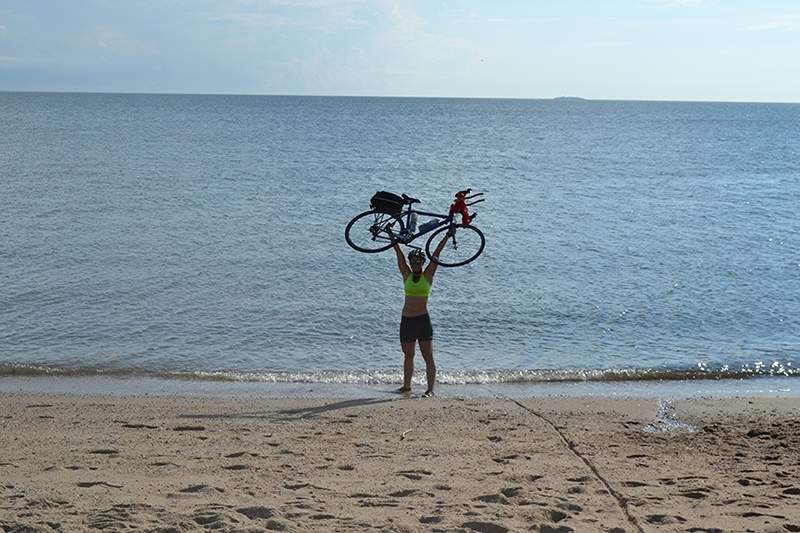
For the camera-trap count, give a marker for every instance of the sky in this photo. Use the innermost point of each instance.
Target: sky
(708, 50)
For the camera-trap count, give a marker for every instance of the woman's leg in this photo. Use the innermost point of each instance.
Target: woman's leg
(408, 363)
(426, 347)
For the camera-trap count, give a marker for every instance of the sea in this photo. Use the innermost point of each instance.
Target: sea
(201, 238)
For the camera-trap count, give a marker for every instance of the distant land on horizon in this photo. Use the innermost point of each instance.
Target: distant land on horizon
(544, 98)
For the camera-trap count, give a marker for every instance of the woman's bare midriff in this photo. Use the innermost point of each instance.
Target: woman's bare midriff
(415, 306)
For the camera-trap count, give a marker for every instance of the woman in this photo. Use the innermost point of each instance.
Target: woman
(415, 323)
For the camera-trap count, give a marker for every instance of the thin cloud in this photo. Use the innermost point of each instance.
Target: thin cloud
(255, 20)
(672, 3)
(313, 3)
(302, 4)
(608, 44)
(784, 22)
(307, 14)
(406, 23)
(410, 28)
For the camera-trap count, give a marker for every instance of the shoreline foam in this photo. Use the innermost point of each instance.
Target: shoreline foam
(391, 375)
(146, 386)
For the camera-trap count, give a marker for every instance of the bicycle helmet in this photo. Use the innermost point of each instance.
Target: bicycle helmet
(416, 254)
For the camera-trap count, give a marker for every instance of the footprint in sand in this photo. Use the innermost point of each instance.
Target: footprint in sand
(571, 507)
(582, 479)
(546, 528)
(484, 527)
(240, 454)
(43, 503)
(299, 486)
(698, 494)
(414, 475)
(493, 498)
(256, 512)
(549, 515)
(200, 489)
(753, 514)
(506, 459)
(118, 517)
(86, 484)
(370, 503)
(236, 467)
(404, 493)
(661, 519)
(511, 492)
(634, 484)
(216, 517)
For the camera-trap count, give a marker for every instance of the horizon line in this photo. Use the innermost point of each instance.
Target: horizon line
(307, 95)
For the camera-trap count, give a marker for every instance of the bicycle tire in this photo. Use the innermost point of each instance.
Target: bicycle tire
(373, 231)
(454, 259)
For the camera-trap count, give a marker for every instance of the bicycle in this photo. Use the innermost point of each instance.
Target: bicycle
(392, 219)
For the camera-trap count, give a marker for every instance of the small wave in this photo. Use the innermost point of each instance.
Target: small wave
(667, 421)
(466, 377)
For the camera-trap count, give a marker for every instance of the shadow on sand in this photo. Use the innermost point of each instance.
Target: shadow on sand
(293, 414)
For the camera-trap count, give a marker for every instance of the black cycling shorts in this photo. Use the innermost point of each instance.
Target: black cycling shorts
(414, 328)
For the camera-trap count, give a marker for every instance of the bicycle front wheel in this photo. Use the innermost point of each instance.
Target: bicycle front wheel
(462, 247)
(369, 231)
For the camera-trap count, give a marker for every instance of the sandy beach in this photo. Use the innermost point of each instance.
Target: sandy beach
(173, 464)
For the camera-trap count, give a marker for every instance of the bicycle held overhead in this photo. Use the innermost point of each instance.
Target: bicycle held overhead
(393, 219)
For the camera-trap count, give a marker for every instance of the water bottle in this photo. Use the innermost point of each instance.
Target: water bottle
(412, 223)
(428, 225)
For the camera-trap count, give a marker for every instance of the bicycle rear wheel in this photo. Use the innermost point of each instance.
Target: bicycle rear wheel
(466, 243)
(369, 231)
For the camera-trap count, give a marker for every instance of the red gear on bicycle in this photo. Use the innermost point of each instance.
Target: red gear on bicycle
(460, 206)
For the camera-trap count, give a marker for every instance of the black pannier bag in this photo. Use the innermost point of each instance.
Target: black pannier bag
(386, 202)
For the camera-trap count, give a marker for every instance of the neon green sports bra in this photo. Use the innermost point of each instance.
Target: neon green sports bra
(420, 288)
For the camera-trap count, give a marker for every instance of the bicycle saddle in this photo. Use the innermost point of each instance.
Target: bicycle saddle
(407, 199)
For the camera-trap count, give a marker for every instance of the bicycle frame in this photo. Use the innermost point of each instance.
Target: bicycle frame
(407, 237)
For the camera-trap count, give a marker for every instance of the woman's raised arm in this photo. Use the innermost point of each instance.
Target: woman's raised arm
(401, 259)
(433, 265)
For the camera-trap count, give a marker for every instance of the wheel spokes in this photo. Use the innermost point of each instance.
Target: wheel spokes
(463, 246)
(370, 232)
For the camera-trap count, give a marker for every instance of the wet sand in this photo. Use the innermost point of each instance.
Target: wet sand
(172, 464)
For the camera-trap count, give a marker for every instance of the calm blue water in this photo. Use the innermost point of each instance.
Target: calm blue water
(203, 235)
